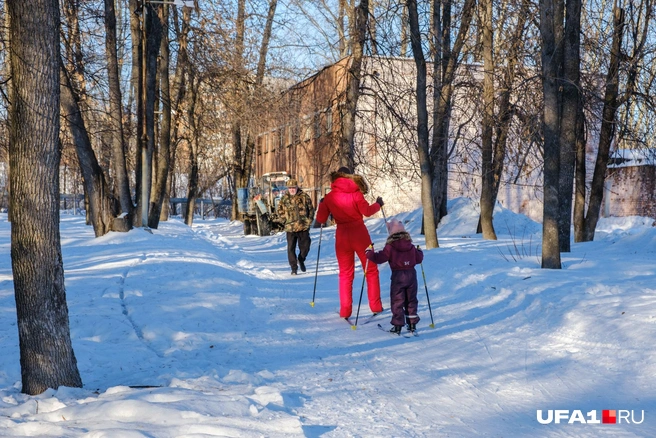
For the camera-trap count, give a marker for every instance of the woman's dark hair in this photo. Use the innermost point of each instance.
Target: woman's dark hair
(344, 169)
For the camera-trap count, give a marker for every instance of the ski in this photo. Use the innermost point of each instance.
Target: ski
(370, 318)
(387, 330)
(411, 334)
(348, 320)
(405, 334)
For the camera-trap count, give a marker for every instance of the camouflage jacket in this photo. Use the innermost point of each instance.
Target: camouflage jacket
(295, 212)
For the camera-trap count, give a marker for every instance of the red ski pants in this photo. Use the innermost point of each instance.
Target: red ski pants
(351, 239)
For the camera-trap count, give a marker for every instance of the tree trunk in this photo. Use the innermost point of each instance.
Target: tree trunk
(506, 112)
(122, 182)
(551, 32)
(487, 175)
(153, 29)
(430, 229)
(607, 132)
(404, 29)
(579, 180)
(341, 29)
(164, 154)
(446, 61)
(346, 152)
(178, 94)
(264, 46)
(241, 175)
(46, 352)
(103, 208)
(242, 140)
(571, 101)
(135, 87)
(192, 184)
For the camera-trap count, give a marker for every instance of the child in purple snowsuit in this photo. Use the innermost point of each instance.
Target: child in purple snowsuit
(402, 256)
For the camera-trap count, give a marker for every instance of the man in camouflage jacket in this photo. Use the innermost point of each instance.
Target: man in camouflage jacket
(295, 211)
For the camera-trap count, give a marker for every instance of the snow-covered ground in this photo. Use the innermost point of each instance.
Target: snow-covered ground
(202, 332)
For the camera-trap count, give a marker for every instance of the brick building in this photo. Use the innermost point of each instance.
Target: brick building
(302, 135)
(631, 184)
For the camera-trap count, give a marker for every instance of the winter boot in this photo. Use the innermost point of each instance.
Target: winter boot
(294, 272)
(301, 264)
(396, 329)
(412, 327)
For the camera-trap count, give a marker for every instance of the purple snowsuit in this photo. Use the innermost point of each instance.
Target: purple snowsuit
(402, 256)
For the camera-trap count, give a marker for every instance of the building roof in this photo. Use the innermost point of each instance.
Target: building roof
(632, 157)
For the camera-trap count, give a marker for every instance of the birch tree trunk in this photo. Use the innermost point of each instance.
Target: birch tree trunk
(46, 352)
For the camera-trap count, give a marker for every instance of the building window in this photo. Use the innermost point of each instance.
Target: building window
(258, 144)
(296, 134)
(329, 121)
(290, 135)
(317, 125)
(307, 130)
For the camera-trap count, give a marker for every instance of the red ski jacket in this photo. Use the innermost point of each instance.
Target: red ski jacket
(346, 202)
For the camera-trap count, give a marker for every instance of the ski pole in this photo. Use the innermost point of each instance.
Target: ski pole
(316, 271)
(384, 217)
(432, 324)
(366, 265)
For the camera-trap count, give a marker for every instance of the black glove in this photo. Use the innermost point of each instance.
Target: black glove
(380, 202)
(321, 200)
(369, 248)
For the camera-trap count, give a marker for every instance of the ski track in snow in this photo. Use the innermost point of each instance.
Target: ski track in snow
(375, 386)
(214, 321)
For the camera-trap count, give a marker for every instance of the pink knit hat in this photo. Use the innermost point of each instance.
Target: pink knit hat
(395, 226)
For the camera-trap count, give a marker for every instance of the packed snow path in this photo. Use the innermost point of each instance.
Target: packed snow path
(203, 332)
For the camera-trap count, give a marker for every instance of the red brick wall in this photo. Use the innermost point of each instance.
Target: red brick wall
(632, 191)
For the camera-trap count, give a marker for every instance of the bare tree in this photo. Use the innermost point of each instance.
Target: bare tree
(102, 206)
(560, 30)
(570, 84)
(358, 38)
(162, 152)
(122, 182)
(429, 225)
(628, 66)
(192, 184)
(502, 61)
(46, 353)
(487, 176)
(446, 60)
(551, 29)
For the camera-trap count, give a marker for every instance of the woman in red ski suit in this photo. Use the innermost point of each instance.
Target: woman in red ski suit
(346, 203)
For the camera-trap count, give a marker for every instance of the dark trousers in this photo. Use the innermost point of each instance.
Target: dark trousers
(403, 297)
(303, 240)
